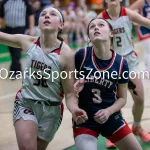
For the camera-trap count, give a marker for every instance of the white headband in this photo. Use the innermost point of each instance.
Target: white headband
(59, 14)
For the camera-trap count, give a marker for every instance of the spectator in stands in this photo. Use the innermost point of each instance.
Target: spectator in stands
(14, 13)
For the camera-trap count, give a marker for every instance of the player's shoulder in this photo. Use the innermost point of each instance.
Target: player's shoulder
(84, 50)
(81, 50)
(66, 51)
(66, 48)
(118, 58)
(129, 12)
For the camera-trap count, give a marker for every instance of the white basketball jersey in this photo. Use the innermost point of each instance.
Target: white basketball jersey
(122, 27)
(38, 83)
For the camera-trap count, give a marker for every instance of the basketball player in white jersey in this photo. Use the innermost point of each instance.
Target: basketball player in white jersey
(121, 20)
(144, 33)
(38, 107)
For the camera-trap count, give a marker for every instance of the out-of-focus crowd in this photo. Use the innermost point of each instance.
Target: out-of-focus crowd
(76, 15)
(76, 18)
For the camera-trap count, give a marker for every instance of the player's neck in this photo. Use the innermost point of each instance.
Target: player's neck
(102, 51)
(114, 12)
(49, 42)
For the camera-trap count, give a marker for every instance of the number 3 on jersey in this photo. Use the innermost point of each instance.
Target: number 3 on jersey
(97, 96)
(119, 41)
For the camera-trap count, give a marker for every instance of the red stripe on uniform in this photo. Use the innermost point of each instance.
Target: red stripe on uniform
(78, 131)
(105, 15)
(16, 97)
(109, 65)
(123, 12)
(37, 42)
(84, 55)
(141, 36)
(57, 51)
(122, 62)
(135, 53)
(120, 134)
(62, 94)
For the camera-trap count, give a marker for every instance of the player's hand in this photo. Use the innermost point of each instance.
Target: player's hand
(102, 116)
(78, 86)
(79, 116)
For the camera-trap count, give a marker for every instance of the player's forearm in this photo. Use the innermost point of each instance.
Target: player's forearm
(145, 22)
(71, 102)
(10, 40)
(136, 5)
(120, 103)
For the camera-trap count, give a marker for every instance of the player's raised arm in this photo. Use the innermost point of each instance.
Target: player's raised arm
(137, 18)
(137, 4)
(16, 40)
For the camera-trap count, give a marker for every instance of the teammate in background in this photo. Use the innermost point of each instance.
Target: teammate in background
(38, 107)
(121, 20)
(98, 98)
(144, 33)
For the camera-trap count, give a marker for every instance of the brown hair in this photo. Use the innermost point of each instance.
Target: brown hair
(110, 27)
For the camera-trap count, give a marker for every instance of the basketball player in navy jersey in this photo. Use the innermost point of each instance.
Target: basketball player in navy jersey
(144, 33)
(38, 107)
(121, 20)
(104, 72)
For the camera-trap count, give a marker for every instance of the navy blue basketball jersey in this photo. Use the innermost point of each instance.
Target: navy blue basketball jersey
(101, 79)
(143, 32)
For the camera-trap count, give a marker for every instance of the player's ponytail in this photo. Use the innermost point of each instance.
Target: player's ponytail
(58, 35)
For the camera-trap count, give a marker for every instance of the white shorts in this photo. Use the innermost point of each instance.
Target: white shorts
(133, 61)
(48, 118)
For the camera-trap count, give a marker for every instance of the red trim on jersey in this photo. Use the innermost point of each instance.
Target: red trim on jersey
(141, 36)
(123, 12)
(62, 94)
(121, 66)
(84, 55)
(16, 97)
(57, 51)
(135, 53)
(105, 15)
(37, 43)
(80, 130)
(120, 134)
(94, 60)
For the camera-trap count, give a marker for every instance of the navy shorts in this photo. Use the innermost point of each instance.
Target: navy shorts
(114, 129)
